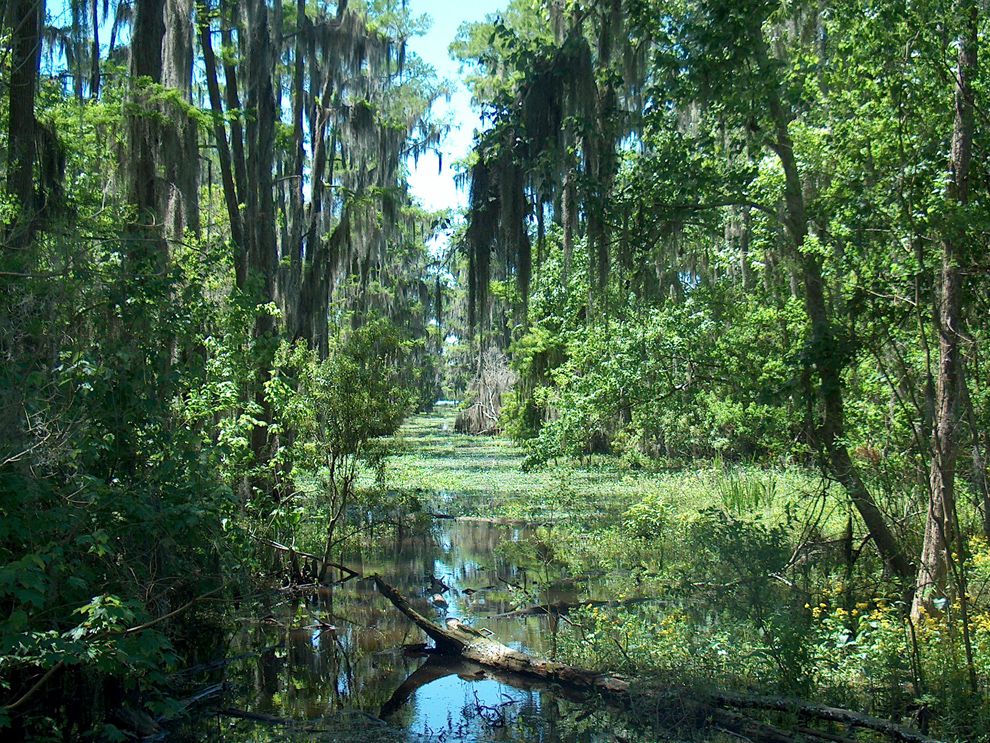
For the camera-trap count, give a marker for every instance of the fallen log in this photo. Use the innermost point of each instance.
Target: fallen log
(439, 516)
(459, 639)
(815, 711)
(496, 521)
(566, 607)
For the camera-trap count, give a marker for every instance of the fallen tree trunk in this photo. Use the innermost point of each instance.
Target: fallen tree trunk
(810, 710)
(499, 521)
(457, 638)
(566, 607)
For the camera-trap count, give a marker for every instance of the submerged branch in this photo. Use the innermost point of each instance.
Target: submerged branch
(310, 556)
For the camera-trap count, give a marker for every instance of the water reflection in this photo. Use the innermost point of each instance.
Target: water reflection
(343, 650)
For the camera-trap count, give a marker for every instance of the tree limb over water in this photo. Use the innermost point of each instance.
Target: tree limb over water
(459, 639)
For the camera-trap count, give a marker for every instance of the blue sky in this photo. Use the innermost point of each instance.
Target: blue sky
(436, 190)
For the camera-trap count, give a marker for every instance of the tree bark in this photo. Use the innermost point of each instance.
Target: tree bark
(144, 134)
(233, 101)
(259, 224)
(94, 63)
(180, 141)
(25, 17)
(569, 209)
(315, 284)
(223, 152)
(824, 354)
(940, 527)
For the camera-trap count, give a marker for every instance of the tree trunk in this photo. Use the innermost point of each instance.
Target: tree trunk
(233, 101)
(824, 354)
(180, 141)
(146, 66)
(979, 458)
(223, 153)
(259, 224)
(569, 209)
(940, 527)
(314, 290)
(94, 63)
(25, 17)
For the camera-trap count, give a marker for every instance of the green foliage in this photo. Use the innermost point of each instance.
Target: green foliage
(335, 407)
(333, 414)
(153, 413)
(704, 377)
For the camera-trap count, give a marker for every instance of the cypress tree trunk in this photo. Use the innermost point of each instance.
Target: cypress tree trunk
(25, 18)
(180, 142)
(223, 149)
(146, 67)
(259, 224)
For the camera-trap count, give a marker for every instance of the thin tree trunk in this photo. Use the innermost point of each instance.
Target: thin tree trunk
(941, 528)
(824, 352)
(94, 63)
(74, 51)
(296, 216)
(979, 457)
(223, 149)
(234, 107)
(569, 209)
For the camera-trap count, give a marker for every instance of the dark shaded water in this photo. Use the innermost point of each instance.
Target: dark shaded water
(336, 658)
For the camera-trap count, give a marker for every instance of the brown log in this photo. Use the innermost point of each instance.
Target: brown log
(823, 712)
(457, 638)
(565, 607)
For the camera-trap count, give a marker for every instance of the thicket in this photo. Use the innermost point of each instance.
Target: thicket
(214, 294)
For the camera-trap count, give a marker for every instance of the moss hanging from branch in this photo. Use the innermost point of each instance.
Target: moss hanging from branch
(555, 142)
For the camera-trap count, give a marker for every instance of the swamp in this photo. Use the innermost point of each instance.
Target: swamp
(513, 370)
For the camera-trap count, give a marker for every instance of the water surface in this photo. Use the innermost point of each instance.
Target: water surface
(338, 658)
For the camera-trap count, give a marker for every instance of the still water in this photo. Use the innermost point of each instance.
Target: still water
(336, 662)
